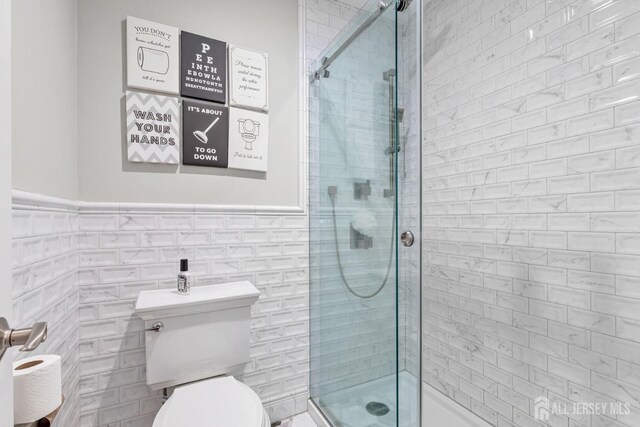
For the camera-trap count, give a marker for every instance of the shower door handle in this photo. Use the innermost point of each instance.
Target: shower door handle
(406, 238)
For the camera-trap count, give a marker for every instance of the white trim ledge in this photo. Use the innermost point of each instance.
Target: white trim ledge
(23, 200)
(26, 200)
(440, 410)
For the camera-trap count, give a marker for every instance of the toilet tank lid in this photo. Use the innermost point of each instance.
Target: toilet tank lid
(164, 303)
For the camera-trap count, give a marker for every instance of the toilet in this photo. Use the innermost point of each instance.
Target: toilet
(193, 343)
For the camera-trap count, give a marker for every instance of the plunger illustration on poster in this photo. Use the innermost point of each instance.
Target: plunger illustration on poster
(248, 139)
(205, 134)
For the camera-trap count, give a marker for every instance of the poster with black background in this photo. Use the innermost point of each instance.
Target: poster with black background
(203, 68)
(205, 134)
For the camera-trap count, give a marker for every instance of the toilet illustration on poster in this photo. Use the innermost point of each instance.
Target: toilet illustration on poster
(248, 139)
(249, 131)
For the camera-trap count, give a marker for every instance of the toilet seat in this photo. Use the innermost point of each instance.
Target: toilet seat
(216, 402)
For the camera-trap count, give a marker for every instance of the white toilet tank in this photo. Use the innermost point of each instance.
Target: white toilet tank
(200, 335)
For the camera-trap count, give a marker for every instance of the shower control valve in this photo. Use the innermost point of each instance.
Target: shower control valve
(406, 238)
(361, 190)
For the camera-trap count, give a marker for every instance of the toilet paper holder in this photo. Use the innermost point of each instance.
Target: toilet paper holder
(28, 338)
(46, 421)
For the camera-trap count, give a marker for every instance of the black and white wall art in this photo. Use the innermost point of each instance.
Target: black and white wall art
(203, 69)
(205, 134)
(248, 78)
(153, 128)
(152, 56)
(213, 135)
(248, 139)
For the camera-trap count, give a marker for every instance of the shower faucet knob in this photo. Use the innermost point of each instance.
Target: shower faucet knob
(407, 238)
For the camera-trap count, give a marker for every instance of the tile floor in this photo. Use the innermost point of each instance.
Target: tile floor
(302, 420)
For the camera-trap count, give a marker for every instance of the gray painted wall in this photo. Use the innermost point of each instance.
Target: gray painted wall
(44, 105)
(6, 305)
(105, 173)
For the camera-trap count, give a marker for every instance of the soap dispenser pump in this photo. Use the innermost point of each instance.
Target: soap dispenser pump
(184, 278)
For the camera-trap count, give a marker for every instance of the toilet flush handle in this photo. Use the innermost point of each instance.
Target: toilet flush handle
(156, 327)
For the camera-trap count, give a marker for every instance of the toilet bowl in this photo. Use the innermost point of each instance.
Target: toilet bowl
(215, 402)
(193, 342)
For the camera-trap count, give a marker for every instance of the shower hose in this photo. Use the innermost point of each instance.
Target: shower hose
(340, 267)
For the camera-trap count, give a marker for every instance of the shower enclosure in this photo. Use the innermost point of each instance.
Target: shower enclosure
(365, 210)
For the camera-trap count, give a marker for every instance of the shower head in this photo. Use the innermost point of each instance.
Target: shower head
(387, 76)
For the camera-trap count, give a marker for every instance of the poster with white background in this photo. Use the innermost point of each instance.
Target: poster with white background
(248, 139)
(153, 128)
(248, 78)
(152, 56)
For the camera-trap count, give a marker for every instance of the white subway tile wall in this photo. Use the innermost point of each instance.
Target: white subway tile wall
(409, 189)
(531, 206)
(45, 288)
(123, 253)
(82, 272)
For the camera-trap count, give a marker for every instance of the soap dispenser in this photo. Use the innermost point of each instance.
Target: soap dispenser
(184, 278)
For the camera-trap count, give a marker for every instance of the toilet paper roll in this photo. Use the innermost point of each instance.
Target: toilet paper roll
(37, 387)
(153, 60)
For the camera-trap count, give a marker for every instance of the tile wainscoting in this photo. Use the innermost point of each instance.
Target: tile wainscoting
(81, 266)
(45, 288)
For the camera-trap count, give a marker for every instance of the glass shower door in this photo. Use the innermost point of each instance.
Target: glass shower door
(355, 325)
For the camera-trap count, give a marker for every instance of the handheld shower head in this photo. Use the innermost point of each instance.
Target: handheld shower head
(403, 5)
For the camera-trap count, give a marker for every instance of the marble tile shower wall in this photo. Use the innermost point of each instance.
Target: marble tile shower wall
(409, 179)
(45, 266)
(532, 206)
(324, 19)
(123, 253)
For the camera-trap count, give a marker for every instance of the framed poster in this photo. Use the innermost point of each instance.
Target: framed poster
(153, 128)
(205, 137)
(203, 68)
(152, 56)
(248, 139)
(248, 78)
